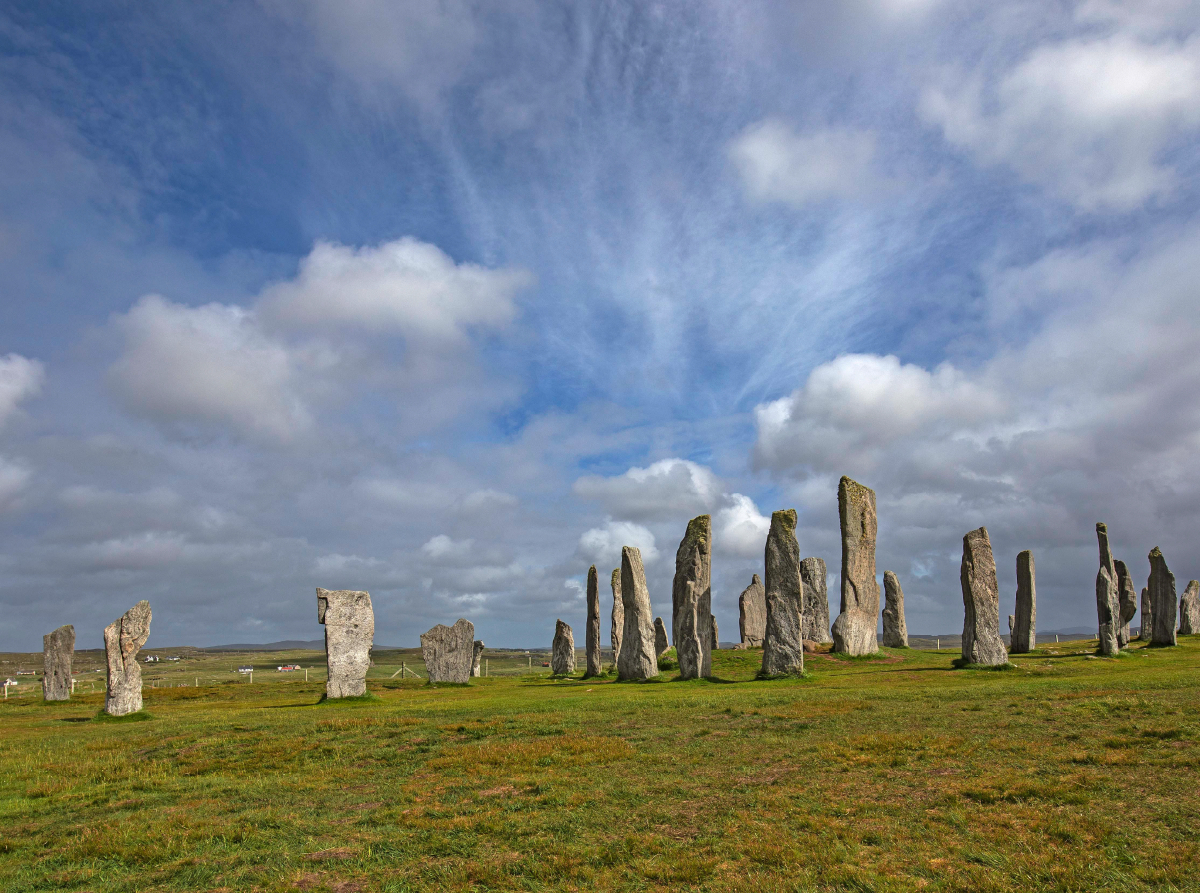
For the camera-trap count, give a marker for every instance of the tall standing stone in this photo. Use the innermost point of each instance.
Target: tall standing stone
(752, 614)
(854, 630)
(716, 633)
(638, 660)
(349, 634)
(687, 645)
(449, 652)
(816, 600)
(1024, 635)
(562, 654)
(618, 615)
(591, 638)
(123, 639)
(1126, 602)
(981, 642)
(1108, 610)
(661, 645)
(58, 648)
(1163, 602)
(895, 629)
(693, 564)
(1146, 628)
(783, 644)
(1189, 610)
(476, 657)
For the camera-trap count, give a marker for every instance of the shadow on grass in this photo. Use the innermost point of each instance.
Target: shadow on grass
(139, 716)
(76, 719)
(368, 698)
(961, 663)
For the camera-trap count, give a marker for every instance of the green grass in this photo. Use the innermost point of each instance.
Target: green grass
(1064, 773)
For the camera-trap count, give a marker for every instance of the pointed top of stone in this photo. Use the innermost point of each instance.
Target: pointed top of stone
(699, 528)
(616, 579)
(755, 580)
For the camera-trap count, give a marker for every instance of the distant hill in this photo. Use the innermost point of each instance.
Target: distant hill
(287, 645)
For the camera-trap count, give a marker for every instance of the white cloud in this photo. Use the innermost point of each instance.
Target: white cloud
(602, 545)
(20, 378)
(442, 548)
(740, 528)
(487, 501)
(779, 165)
(13, 478)
(670, 488)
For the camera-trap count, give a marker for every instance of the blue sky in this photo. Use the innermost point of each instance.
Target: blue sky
(448, 301)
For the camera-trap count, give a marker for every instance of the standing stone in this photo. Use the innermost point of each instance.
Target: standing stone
(449, 652)
(591, 638)
(638, 660)
(123, 639)
(854, 630)
(1108, 609)
(1146, 629)
(1024, 636)
(1163, 603)
(816, 600)
(981, 643)
(562, 655)
(58, 648)
(1012, 626)
(475, 658)
(752, 614)
(687, 646)
(660, 637)
(895, 630)
(783, 644)
(716, 634)
(1189, 610)
(349, 633)
(693, 563)
(618, 615)
(1126, 602)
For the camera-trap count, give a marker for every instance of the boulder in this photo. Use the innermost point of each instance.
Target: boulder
(854, 630)
(815, 619)
(1189, 610)
(123, 639)
(449, 652)
(661, 645)
(591, 638)
(895, 630)
(1126, 602)
(687, 645)
(1163, 601)
(1108, 609)
(752, 613)
(693, 564)
(638, 660)
(783, 644)
(476, 656)
(1146, 627)
(58, 648)
(562, 655)
(1024, 636)
(981, 642)
(618, 615)
(349, 634)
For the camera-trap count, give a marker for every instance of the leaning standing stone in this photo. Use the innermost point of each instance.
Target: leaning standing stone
(1126, 601)
(618, 615)
(591, 639)
(1024, 636)
(854, 630)
(1163, 601)
(693, 564)
(58, 648)
(476, 656)
(783, 645)
(638, 660)
(816, 600)
(123, 639)
(981, 642)
(1189, 610)
(660, 637)
(687, 645)
(1146, 628)
(895, 630)
(349, 634)
(752, 614)
(449, 652)
(562, 655)
(1108, 611)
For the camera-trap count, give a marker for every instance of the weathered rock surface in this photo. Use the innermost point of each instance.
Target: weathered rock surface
(1108, 610)
(592, 634)
(1012, 625)
(1024, 636)
(815, 621)
(476, 657)
(716, 634)
(1146, 629)
(123, 639)
(1126, 602)
(1189, 610)
(752, 613)
(638, 660)
(562, 655)
(449, 652)
(58, 648)
(1163, 601)
(854, 630)
(660, 637)
(981, 642)
(895, 629)
(687, 645)
(693, 564)
(783, 644)
(349, 634)
(618, 615)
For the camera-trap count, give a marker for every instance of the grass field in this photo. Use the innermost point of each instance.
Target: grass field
(1065, 772)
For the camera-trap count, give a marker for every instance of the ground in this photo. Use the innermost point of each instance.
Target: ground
(1065, 772)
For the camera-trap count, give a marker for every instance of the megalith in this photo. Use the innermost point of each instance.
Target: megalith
(1163, 601)
(349, 634)
(58, 648)
(981, 642)
(476, 657)
(591, 638)
(618, 615)
(716, 634)
(1126, 602)
(660, 637)
(687, 645)
(854, 630)
(752, 614)
(895, 630)
(1108, 610)
(637, 660)
(1189, 610)
(693, 564)
(449, 652)
(1024, 635)
(815, 620)
(783, 644)
(123, 639)
(562, 653)
(1146, 626)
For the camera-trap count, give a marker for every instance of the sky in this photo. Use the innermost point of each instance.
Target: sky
(448, 301)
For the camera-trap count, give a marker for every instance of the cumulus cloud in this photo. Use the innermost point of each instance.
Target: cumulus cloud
(670, 488)
(777, 164)
(602, 545)
(442, 548)
(739, 528)
(20, 379)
